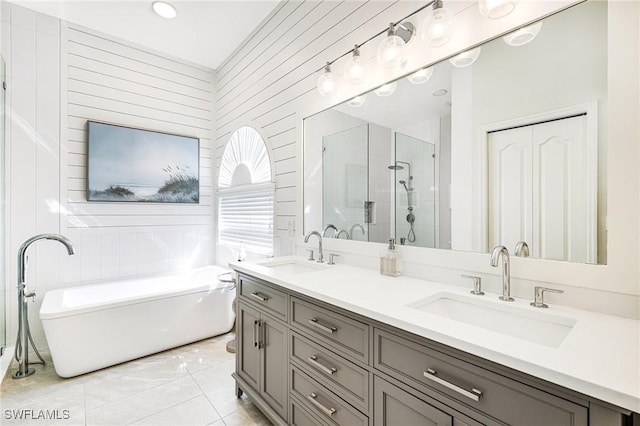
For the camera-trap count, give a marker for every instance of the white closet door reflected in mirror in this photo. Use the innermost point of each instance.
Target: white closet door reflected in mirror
(537, 191)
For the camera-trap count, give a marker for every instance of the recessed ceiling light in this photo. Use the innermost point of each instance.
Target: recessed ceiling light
(440, 92)
(164, 9)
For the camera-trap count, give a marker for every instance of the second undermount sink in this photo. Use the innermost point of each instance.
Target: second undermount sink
(534, 326)
(293, 266)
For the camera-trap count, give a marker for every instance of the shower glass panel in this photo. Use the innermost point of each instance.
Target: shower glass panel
(3, 322)
(345, 156)
(415, 183)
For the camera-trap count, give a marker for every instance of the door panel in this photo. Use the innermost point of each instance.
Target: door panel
(248, 362)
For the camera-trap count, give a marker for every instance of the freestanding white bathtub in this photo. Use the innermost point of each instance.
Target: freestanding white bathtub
(95, 326)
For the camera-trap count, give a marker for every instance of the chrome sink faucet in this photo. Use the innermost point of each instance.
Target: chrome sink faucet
(506, 274)
(317, 234)
(330, 226)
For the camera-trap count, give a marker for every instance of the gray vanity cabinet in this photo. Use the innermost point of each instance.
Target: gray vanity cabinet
(262, 345)
(307, 362)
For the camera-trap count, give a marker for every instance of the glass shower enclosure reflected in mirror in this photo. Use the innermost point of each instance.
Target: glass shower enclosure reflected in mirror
(345, 186)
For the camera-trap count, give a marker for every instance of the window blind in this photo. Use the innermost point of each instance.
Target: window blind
(246, 217)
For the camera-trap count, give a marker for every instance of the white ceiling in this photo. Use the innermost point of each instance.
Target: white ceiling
(205, 32)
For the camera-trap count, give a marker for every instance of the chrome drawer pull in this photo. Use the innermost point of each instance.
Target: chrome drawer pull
(474, 394)
(327, 411)
(329, 330)
(313, 360)
(259, 296)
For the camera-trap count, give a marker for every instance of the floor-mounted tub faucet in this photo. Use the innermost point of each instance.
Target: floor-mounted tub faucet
(317, 234)
(24, 334)
(506, 274)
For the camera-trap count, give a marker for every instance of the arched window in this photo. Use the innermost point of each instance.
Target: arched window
(245, 194)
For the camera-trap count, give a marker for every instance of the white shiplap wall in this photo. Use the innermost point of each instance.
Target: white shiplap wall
(274, 72)
(59, 76)
(113, 81)
(270, 81)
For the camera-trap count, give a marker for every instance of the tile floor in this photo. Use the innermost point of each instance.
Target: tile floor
(189, 385)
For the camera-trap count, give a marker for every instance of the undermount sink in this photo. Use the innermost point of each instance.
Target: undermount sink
(535, 326)
(293, 266)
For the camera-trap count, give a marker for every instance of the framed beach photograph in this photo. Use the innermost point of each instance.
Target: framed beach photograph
(136, 165)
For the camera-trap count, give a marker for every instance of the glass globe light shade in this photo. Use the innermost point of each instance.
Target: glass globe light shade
(326, 82)
(523, 35)
(496, 9)
(465, 59)
(354, 70)
(386, 90)
(437, 27)
(421, 76)
(391, 50)
(358, 101)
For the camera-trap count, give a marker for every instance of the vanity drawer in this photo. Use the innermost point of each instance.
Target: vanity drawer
(341, 332)
(324, 403)
(266, 297)
(300, 416)
(351, 380)
(490, 393)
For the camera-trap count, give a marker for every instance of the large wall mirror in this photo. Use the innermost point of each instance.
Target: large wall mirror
(507, 149)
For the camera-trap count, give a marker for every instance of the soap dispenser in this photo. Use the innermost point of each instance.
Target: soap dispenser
(391, 261)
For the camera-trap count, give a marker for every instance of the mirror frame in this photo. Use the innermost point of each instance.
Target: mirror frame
(621, 274)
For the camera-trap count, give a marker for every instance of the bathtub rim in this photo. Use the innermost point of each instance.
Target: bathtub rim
(52, 304)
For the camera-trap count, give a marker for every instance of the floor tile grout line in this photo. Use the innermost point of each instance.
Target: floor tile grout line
(206, 396)
(166, 408)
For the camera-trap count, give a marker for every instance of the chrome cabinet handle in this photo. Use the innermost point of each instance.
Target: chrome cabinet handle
(325, 410)
(315, 323)
(259, 296)
(313, 360)
(256, 325)
(474, 394)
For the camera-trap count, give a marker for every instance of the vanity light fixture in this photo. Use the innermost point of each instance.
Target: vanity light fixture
(326, 82)
(354, 70)
(496, 9)
(164, 9)
(391, 50)
(437, 26)
(390, 54)
(466, 58)
(421, 76)
(386, 89)
(358, 101)
(523, 35)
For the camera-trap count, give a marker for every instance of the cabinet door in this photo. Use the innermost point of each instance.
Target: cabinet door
(273, 363)
(248, 357)
(393, 407)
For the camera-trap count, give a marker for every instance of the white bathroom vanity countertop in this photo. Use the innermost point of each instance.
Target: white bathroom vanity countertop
(600, 357)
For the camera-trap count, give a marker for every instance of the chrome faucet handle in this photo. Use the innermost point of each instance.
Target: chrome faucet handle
(538, 300)
(332, 257)
(311, 254)
(477, 284)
